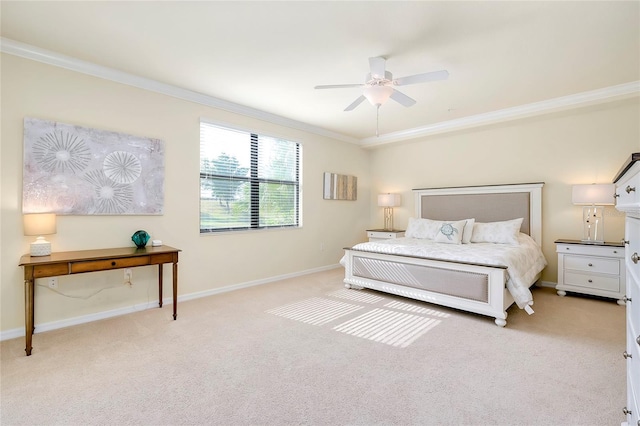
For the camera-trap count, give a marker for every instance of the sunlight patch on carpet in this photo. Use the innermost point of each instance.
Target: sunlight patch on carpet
(417, 309)
(315, 311)
(389, 327)
(356, 295)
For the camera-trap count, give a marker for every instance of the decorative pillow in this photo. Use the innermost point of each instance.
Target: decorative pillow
(505, 232)
(450, 232)
(422, 228)
(468, 231)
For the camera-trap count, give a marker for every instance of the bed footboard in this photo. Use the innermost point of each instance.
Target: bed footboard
(473, 288)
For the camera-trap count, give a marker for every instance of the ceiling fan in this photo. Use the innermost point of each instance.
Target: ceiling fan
(379, 85)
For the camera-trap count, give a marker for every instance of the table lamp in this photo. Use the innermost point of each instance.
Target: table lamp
(40, 224)
(593, 197)
(388, 201)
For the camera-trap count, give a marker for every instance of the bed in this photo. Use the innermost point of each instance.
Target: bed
(485, 275)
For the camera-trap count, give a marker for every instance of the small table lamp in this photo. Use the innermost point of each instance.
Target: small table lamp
(388, 201)
(593, 197)
(40, 224)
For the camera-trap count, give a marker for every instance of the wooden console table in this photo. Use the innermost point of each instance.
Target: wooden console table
(79, 262)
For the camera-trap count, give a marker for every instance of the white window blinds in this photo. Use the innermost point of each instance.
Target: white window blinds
(247, 181)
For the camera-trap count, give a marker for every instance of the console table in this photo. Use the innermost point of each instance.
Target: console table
(79, 262)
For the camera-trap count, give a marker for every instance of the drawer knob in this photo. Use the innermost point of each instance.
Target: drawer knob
(626, 299)
(638, 340)
(626, 355)
(634, 257)
(630, 189)
(590, 280)
(626, 411)
(113, 263)
(590, 264)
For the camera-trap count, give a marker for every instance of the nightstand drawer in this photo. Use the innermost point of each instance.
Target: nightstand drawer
(591, 250)
(597, 282)
(375, 234)
(592, 264)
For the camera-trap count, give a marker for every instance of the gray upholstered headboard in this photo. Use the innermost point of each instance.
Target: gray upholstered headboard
(485, 204)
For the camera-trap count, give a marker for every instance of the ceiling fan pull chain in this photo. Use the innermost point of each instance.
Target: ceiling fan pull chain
(377, 118)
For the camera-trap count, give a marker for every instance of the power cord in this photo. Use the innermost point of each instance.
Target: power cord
(89, 296)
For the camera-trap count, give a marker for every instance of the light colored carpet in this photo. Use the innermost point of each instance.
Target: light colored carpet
(306, 351)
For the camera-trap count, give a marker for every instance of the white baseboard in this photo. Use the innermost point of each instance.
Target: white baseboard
(546, 284)
(54, 325)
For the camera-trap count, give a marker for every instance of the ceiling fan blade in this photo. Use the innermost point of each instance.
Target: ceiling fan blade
(376, 66)
(422, 78)
(355, 103)
(402, 99)
(338, 86)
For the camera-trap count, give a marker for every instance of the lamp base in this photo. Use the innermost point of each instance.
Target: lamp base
(593, 224)
(388, 218)
(40, 247)
(592, 241)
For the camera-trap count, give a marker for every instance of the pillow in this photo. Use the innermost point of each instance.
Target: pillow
(451, 232)
(422, 228)
(468, 231)
(505, 232)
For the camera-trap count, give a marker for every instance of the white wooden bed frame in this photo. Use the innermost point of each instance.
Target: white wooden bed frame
(499, 298)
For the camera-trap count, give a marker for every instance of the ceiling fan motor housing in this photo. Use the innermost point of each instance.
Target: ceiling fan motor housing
(376, 80)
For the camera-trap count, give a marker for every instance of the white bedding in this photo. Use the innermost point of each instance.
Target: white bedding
(523, 261)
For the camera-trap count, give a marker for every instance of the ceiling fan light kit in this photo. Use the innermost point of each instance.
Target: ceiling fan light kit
(377, 95)
(378, 86)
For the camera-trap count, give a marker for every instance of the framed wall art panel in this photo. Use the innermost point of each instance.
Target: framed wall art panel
(76, 170)
(340, 187)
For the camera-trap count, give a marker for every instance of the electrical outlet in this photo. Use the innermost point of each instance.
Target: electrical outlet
(128, 275)
(53, 282)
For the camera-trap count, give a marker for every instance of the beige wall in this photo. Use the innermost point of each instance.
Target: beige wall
(580, 146)
(587, 145)
(206, 262)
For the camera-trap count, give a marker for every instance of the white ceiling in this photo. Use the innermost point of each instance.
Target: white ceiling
(505, 59)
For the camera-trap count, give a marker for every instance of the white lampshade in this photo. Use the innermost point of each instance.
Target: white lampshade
(39, 224)
(389, 200)
(593, 194)
(377, 95)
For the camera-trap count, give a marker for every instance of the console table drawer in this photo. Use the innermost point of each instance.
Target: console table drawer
(592, 281)
(163, 258)
(103, 265)
(53, 270)
(592, 264)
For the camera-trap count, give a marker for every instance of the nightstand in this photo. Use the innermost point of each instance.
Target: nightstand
(382, 234)
(588, 268)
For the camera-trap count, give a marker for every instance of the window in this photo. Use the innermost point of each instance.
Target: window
(247, 181)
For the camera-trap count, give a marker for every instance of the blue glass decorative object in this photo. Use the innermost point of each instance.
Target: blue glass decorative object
(140, 238)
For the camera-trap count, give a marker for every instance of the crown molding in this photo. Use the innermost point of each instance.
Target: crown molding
(606, 94)
(34, 53)
(592, 97)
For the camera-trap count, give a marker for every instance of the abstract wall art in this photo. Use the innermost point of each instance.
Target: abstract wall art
(74, 170)
(340, 187)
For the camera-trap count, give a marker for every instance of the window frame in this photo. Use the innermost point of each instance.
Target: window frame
(253, 181)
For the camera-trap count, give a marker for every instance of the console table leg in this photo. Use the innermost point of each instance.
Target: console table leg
(160, 284)
(175, 291)
(29, 314)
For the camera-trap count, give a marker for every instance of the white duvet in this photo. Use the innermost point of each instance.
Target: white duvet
(523, 261)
